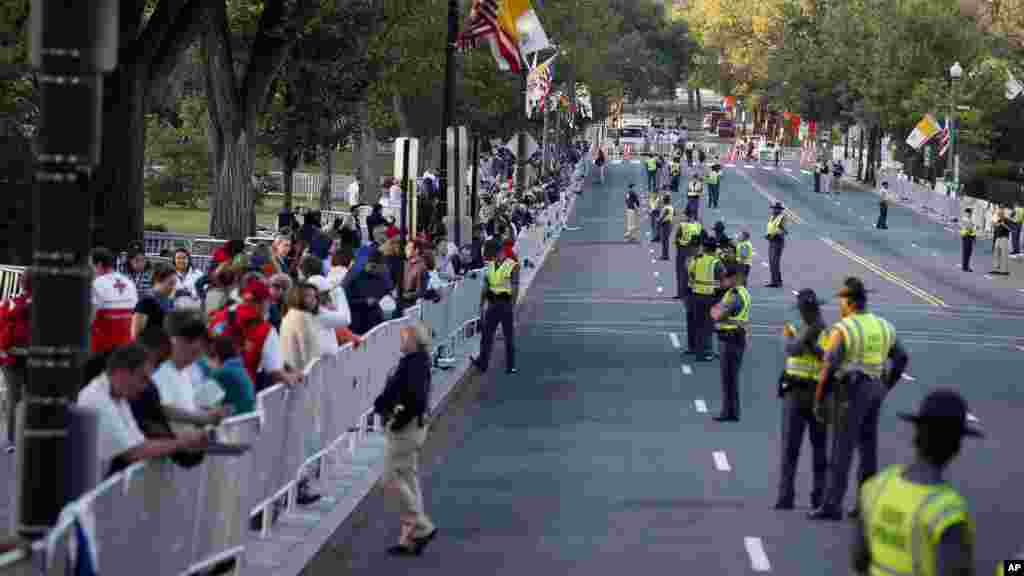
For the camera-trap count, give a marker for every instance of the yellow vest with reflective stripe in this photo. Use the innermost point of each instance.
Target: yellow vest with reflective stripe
(675, 168)
(713, 177)
(667, 213)
(690, 230)
(774, 224)
(968, 229)
(807, 366)
(741, 320)
(499, 278)
(1018, 214)
(745, 252)
(904, 521)
(652, 164)
(702, 274)
(868, 340)
(652, 201)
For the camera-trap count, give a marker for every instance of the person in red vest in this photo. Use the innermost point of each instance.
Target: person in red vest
(114, 297)
(15, 336)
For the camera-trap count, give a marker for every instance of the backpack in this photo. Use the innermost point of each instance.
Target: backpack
(15, 327)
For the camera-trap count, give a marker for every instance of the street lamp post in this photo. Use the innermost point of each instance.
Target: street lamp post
(952, 162)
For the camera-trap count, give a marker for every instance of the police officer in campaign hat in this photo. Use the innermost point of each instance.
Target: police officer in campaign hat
(913, 521)
(732, 322)
(804, 358)
(859, 346)
(776, 236)
(497, 306)
(705, 274)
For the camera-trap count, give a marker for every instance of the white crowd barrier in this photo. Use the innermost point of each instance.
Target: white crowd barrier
(172, 521)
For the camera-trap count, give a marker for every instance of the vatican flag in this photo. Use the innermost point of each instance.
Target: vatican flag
(521, 22)
(925, 130)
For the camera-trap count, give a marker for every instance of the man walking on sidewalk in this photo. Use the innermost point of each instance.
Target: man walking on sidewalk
(1001, 246)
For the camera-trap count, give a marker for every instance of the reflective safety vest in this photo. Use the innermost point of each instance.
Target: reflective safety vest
(667, 213)
(774, 225)
(713, 177)
(690, 230)
(675, 168)
(702, 274)
(652, 165)
(904, 521)
(499, 278)
(807, 366)
(742, 319)
(652, 201)
(967, 229)
(868, 340)
(1018, 214)
(745, 252)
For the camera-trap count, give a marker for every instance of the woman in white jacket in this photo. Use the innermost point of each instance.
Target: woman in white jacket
(331, 313)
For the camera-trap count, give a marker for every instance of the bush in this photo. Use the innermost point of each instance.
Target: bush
(148, 227)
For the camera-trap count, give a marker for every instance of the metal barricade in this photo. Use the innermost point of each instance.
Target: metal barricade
(10, 281)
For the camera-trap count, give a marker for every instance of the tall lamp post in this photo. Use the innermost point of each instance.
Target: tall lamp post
(952, 161)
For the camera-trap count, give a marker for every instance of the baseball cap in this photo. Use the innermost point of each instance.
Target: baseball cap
(945, 407)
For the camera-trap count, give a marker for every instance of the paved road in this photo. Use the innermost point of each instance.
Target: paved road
(599, 456)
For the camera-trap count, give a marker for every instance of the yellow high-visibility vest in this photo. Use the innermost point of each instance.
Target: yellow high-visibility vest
(967, 229)
(774, 225)
(702, 274)
(675, 168)
(652, 165)
(1018, 214)
(904, 521)
(741, 320)
(745, 252)
(688, 231)
(713, 177)
(807, 366)
(667, 213)
(868, 340)
(499, 278)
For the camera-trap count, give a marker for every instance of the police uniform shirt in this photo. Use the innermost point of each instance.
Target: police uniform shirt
(731, 308)
(837, 354)
(949, 552)
(805, 341)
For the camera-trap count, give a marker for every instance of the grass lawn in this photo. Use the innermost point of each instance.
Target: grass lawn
(197, 221)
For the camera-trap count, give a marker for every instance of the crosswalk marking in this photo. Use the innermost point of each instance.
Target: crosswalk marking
(748, 165)
(909, 378)
(758, 559)
(700, 405)
(721, 462)
(767, 168)
(616, 161)
(687, 370)
(730, 165)
(674, 338)
(788, 169)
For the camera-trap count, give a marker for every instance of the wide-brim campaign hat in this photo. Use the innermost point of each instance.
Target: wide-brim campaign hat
(946, 408)
(778, 206)
(808, 297)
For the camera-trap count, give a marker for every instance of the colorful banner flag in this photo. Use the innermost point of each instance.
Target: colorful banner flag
(925, 130)
(538, 85)
(487, 21)
(522, 23)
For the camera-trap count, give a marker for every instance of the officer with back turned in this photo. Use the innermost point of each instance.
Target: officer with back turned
(732, 322)
(497, 306)
(805, 350)
(858, 348)
(745, 254)
(687, 239)
(913, 521)
(705, 272)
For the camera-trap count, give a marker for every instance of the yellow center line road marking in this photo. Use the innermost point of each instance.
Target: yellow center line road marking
(757, 187)
(929, 298)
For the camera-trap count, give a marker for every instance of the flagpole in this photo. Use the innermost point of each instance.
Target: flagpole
(448, 112)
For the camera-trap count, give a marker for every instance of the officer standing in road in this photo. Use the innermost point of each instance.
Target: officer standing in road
(858, 348)
(652, 174)
(632, 208)
(497, 306)
(745, 255)
(675, 172)
(968, 235)
(713, 180)
(705, 272)
(693, 194)
(883, 207)
(655, 212)
(732, 322)
(667, 215)
(805, 350)
(687, 239)
(913, 521)
(776, 236)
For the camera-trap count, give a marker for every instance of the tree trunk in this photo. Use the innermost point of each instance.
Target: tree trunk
(689, 100)
(326, 176)
(403, 119)
(289, 162)
(117, 183)
(233, 214)
(700, 106)
(370, 187)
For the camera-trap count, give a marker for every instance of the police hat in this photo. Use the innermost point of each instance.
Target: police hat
(853, 288)
(947, 408)
(808, 297)
(709, 242)
(778, 206)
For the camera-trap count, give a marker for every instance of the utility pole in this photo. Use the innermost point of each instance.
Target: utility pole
(73, 45)
(521, 138)
(448, 111)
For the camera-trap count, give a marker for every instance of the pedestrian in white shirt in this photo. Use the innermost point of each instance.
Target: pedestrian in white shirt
(175, 379)
(118, 434)
(353, 194)
(331, 311)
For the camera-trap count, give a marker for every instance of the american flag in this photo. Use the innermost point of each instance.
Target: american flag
(483, 24)
(944, 138)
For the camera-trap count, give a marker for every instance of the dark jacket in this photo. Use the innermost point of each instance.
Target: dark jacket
(408, 386)
(364, 294)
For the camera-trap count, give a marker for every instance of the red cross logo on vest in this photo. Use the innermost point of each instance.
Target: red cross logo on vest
(119, 286)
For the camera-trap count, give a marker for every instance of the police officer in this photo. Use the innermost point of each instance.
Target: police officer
(500, 293)
(776, 236)
(632, 208)
(968, 235)
(713, 179)
(858, 348)
(913, 521)
(745, 255)
(732, 322)
(804, 353)
(675, 172)
(652, 173)
(705, 271)
(687, 238)
(693, 194)
(654, 207)
(667, 215)
(883, 207)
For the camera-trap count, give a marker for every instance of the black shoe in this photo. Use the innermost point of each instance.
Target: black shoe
(853, 512)
(10, 449)
(725, 418)
(420, 544)
(399, 550)
(511, 371)
(306, 497)
(475, 362)
(705, 358)
(771, 285)
(677, 297)
(784, 504)
(825, 513)
(967, 270)
(816, 501)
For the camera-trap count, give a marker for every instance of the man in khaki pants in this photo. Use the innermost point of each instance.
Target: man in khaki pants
(632, 205)
(1001, 243)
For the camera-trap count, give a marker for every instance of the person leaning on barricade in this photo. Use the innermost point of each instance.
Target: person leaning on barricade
(404, 405)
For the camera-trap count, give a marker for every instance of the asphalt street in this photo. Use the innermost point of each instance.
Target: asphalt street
(600, 456)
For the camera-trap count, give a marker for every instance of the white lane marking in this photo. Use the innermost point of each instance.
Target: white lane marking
(748, 165)
(989, 276)
(637, 161)
(767, 168)
(700, 406)
(795, 293)
(654, 260)
(721, 462)
(909, 378)
(616, 161)
(674, 338)
(687, 370)
(972, 418)
(765, 264)
(788, 169)
(660, 289)
(914, 245)
(730, 165)
(1021, 290)
(758, 559)
(656, 273)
